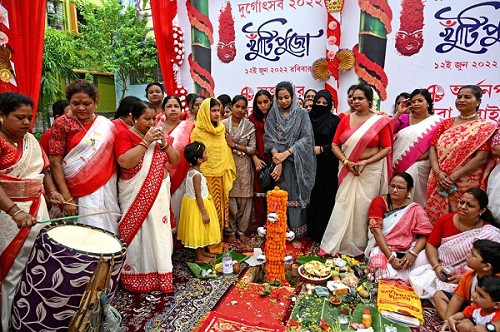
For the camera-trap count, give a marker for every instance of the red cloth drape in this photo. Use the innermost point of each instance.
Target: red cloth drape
(163, 12)
(26, 34)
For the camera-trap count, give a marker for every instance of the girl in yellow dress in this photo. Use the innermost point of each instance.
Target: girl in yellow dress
(199, 223)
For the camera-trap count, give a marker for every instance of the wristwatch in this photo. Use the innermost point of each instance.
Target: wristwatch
(490, 327)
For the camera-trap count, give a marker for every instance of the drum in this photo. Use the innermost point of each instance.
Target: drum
(60, 266)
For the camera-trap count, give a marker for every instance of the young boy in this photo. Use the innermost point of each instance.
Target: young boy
(484, 313)
(483, 260)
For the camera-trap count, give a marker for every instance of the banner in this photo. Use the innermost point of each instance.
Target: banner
(239, 47)
(395, 296)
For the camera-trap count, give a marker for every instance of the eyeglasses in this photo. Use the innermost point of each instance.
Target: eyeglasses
(398, 188)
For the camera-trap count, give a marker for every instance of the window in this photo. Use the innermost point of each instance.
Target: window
(142, 76)
(55, 14)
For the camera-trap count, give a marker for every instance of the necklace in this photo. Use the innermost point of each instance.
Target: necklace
(467, 117)
(138, 132)
(460, 225)
(91, 139)
(9, 137)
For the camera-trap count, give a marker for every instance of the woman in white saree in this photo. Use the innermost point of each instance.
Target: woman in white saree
(362, 143)
(82, 159)
(23, 177)
(494, 178)
(414, 128)
(144, 192)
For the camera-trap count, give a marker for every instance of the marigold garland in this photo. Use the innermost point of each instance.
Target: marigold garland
(276, 235)
(200, 21)
(366, 69)
(379, 9)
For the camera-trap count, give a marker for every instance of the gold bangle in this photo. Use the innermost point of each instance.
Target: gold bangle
(68, 200)
(142, 144)
(393, 255)
(411, 252)
(16, 213)
(434, 267)
(144, 141)
(164, 146)
(345, 161)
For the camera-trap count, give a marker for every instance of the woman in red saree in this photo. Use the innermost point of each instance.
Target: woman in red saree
(180, 132)
(458, 154)
(23, 177)
(82, 159)
(363, 144)
(144, 189)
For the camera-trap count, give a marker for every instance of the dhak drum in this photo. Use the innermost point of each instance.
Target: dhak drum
(60, 266)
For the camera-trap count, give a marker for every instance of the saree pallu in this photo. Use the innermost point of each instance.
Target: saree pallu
(23, 183)
(410, 220)
(347, 229)
(452, 255)
(494, 192)
(90, 172)
(181, 137)
(455, 148)
(145, 226)
(409, 144)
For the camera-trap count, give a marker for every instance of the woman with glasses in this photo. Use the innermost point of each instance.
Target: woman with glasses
(399, 229)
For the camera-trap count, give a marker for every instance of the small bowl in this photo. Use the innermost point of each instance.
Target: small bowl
(335, 300)
(312, 280)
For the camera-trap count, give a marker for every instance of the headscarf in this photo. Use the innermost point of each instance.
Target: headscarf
(220, 159)
(320, 114)
(293, 131)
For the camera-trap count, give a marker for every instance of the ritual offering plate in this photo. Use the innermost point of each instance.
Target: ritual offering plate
(316, 276)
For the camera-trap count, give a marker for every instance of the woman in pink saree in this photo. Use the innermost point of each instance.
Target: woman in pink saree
(414, 128)
(23, 177)
(363, 144)
(398, 231)
(459, 153)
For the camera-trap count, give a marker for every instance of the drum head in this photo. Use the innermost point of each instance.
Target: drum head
(86, 239)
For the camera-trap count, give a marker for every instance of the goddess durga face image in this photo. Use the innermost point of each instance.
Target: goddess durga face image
(226, 52)
(409, 43)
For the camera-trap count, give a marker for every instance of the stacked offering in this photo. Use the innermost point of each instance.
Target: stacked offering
(276, 234)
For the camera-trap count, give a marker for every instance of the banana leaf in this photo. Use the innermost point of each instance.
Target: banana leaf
(378, 322)
(197, 270)
(304, 259)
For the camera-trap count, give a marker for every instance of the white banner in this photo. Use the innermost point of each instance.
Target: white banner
(456, 43)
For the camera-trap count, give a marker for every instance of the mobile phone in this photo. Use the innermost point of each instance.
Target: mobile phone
(444, 275)
(355, 168)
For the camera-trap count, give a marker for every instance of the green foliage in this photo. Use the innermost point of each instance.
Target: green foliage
(58, 61)
(113, 39)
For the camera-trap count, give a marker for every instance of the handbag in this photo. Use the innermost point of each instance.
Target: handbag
(266, 181)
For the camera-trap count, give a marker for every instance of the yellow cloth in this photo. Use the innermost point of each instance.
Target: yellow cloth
(220, 158)
(192, 231)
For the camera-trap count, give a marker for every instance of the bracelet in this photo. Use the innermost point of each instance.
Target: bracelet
(434, 267)
(321, 149)
(142, 144)
(16, 213)
(236, 146)
(51, 192)
(345, 161)
(164, 146)
(8, 210)
(393, 255)
(69, 200)
(289, 150)
(144, 141)
(437, 173)
(411, 252)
